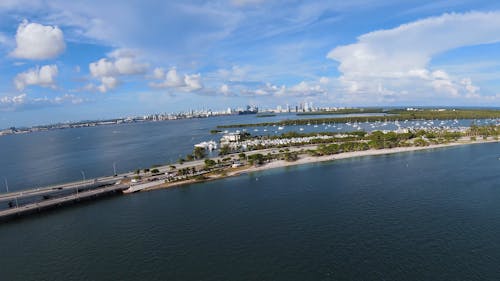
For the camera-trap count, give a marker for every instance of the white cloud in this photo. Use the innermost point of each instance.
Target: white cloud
(67, 98)
(107, 83)
(129, 66)
(397, 60)
(266, 89)
(42, 76)
(121, 62)
(224, 89)
(14, 100)
(102, 67)
(234, 74)
(172, 79)
(158, 73)
(193, 82)
(38, 42)
(324, 80)
(23, 101)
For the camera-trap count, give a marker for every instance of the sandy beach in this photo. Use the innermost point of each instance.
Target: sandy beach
(306, 159)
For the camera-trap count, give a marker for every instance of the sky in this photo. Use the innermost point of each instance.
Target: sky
(78, 60)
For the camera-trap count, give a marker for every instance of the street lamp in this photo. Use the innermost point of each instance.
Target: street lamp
(114, 169)
(83, 176)
(6, 184)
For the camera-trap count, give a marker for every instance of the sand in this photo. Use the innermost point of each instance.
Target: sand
(315, 159)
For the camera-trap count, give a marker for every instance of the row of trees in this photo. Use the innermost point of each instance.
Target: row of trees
(395, 115)
(198, 153)
(488, 130)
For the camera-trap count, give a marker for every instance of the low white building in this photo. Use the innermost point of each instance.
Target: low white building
(229, 138)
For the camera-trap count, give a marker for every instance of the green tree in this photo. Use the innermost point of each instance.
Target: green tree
(199, 152)
(256, 159)
(224, 150)
(291, 157)
(209, 163)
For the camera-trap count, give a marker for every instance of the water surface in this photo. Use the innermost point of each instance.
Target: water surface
(426, 215)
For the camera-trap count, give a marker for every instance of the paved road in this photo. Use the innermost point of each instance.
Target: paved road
(58, 201)
(72, 186)
(58, 188)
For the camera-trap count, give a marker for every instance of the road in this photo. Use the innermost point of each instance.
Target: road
(35, 207)
(72, 186)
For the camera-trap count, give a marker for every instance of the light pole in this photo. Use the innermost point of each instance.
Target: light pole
(114, 169)
(83, 176)
(6, 184)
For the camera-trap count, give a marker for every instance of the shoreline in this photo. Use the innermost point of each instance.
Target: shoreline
(316, 159)
(124, 188)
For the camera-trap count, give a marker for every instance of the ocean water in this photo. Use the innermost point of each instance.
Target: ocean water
(45, 158)
(426, 215)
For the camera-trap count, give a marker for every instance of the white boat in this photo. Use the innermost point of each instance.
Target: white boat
(208, 145)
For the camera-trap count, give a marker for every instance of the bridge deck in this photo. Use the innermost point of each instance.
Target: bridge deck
(55, 202)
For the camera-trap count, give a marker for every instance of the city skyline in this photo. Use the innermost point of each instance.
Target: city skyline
(84, 61)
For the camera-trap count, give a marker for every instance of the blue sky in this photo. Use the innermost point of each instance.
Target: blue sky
(74, 60)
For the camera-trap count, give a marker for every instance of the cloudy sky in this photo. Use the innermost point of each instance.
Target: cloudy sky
(72, 60)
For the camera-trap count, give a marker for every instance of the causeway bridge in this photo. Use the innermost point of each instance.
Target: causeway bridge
(24, 202)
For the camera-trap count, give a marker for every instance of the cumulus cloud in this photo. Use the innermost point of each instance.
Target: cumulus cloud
(397, 60)
(107, 83)
(23, 101)
(306, 88)
(13, 100)
(44, 76)
(302, 89)
(224, 89)
(172, 79)
(119, 63)
(158, 73)
(234, 74)
(37, 42)
(193, 82)
(267, 89)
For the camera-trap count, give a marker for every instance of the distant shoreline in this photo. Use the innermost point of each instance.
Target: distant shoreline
(317, 159)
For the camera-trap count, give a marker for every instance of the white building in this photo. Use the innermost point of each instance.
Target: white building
(229, 138)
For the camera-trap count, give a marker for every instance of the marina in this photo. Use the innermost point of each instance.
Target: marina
(299, 150)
